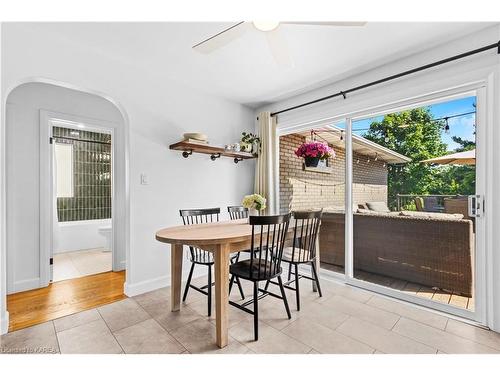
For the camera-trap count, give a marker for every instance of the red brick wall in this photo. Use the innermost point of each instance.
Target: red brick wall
(300, 189)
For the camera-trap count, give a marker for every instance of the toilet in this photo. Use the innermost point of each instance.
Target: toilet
(106, 231)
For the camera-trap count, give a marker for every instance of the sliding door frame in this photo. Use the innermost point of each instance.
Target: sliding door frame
(480, 280)
(482, 289)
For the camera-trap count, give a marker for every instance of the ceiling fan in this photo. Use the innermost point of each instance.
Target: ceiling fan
(275, 41)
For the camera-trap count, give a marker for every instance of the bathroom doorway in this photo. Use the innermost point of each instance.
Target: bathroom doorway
(82, 200)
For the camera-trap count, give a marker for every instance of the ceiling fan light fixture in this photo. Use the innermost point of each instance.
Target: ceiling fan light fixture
(265, 25)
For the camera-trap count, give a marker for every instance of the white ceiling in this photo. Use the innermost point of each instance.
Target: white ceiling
(244, 70)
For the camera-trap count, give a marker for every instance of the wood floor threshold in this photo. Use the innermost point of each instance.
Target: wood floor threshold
(64, 298)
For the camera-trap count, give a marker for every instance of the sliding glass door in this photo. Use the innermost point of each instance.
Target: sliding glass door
(305, 186)
(402, 199)
(415, 190)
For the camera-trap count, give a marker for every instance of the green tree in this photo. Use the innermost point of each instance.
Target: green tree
(415, 134)
(465, 145)
(459, 179)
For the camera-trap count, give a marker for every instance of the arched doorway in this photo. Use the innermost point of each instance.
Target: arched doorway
(30, 108)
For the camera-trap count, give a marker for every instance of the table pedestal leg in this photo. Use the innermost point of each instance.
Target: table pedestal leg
(221, 258)
(176, 277)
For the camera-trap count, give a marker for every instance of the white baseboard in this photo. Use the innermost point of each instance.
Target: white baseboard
(4, 322)
(145, 286)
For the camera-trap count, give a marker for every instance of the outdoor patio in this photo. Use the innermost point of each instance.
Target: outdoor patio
(439, 295)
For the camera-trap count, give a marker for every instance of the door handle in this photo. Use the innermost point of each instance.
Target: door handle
(475, 205)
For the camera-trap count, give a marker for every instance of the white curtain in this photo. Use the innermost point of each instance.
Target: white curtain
(267, 165)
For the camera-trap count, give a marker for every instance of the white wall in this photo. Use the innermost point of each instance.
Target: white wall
(484, 67)
(158, 115)
(4, 315)
(23, 171)
(80, 235)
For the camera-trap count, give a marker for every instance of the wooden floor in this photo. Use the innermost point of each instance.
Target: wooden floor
(443, 296)
(64, 298)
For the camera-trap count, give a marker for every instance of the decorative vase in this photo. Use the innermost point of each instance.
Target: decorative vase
(253, 212)
(311, 162)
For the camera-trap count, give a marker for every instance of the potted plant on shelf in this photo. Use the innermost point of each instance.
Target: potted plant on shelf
(254, 203)
(313, 152)
(250, 143)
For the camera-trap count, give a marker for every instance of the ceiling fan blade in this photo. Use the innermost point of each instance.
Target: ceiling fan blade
(312, 23)
(279, 49)
(222, 38)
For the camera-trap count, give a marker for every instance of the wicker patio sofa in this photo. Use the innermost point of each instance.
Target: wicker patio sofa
(433, 252)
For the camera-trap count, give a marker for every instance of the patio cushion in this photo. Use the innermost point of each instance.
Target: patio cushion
(334, 208)
(376, 213)
(338, 209)
(378, 206)
(432, 215)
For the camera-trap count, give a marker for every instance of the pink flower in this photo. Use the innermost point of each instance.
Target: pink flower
(315, 149)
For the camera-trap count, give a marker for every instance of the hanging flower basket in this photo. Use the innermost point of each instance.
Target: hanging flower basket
(313, 152)
(311, 162)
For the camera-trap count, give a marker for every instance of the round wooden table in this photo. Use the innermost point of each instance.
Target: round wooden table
(221, 239)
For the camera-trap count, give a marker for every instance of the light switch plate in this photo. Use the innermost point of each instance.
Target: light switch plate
(144, 179)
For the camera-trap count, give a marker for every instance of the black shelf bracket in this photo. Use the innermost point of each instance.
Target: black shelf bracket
(186, 154)
(214, 157)
(237, 160)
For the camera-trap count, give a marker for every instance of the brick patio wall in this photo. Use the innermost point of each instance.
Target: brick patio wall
(300, 189)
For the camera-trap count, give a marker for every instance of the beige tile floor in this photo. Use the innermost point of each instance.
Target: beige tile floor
(345, 320)
(80, 263)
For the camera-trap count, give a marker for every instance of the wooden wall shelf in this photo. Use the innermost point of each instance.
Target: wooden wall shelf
(215, 152)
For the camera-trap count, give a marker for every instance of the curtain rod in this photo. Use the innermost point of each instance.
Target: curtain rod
(392, 77)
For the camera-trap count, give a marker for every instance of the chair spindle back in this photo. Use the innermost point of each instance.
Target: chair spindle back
(237, 212)
(305, 234)
(200, 216)
(267, 243)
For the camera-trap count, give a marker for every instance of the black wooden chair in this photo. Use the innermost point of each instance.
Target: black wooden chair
(237, 212)
(200, 256)
(303, 250)
(267, 244)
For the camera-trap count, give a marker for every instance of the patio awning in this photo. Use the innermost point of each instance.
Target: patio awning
(460, 158)
(360, 145)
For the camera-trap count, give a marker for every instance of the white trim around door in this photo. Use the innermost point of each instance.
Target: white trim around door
(46, 183)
